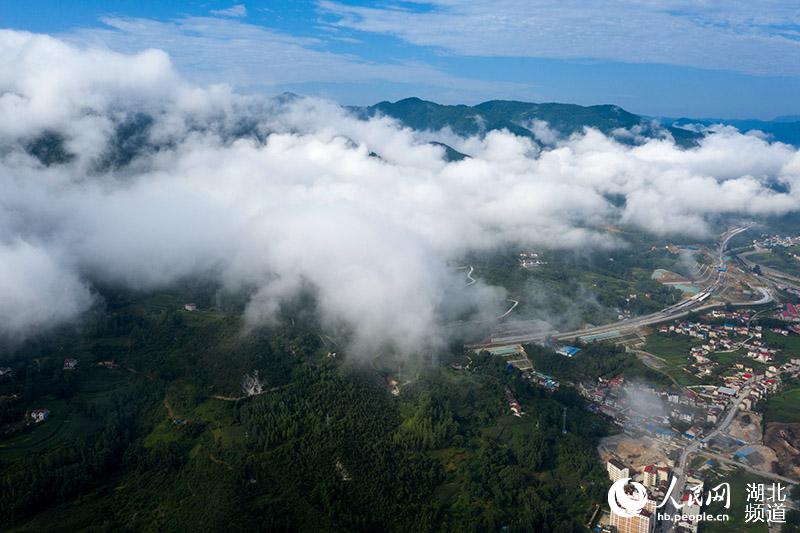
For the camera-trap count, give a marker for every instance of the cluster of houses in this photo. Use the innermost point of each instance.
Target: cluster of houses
(530, 259)
(713, 399)
(774, 241)
(761, 384)
(699, 408)
(541, 380)
(790, 312)
(603, 390)
(606, 396)
(695, 408)
(726, 337)
(513, 404)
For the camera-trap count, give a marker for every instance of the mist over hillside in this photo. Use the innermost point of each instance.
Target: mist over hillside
(545, 123)
(784, 129)
(114, 169)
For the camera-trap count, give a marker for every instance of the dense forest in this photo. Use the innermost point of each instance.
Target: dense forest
(151, 431)
(596, 360)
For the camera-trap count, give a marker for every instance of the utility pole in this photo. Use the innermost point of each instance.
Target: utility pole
(564, 422)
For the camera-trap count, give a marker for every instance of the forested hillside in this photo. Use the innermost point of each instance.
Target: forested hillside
(151, 431)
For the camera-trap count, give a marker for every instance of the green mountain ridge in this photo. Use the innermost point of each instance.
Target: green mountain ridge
(131, 135)
(518, 118)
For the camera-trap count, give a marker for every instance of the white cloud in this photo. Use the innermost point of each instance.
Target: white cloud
(223, 50)
(303, 202)
(751, 37)
(36, 291)
(239, 10)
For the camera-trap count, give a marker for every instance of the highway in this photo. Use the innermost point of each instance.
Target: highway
(697, 302)
(772, 276)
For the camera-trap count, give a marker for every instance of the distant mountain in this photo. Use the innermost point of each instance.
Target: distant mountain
(784, 129)
(522, 118)
(450, 154)
(787, 118)
(544, 123)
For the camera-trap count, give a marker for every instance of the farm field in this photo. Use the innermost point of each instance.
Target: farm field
(783, 407)
(674, 351)
(790, 345)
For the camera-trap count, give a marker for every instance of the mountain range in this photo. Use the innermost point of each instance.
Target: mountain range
(543, 123)
(526, 119)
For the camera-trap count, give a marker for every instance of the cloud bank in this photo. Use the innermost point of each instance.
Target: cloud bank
(210, 48)
(755, 38)
(151, 179)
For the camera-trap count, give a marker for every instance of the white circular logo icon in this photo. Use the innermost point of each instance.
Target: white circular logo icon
(624, 504)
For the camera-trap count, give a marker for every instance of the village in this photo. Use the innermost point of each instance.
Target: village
(736, 333)
(716, 417)
(716, 420)
(775, 241)
(530, 259)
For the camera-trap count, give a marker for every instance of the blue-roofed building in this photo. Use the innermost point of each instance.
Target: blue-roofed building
(659, 431)
(692, 433)
(744, 452)
(544, 380)
(568, 351)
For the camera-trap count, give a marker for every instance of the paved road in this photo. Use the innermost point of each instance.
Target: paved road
(698, 302)
(698, 446)
(768, 475)
(469, 275)
(680, 468)
(770, 275)
(514, 304)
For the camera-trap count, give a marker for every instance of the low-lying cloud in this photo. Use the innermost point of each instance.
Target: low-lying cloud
(274, 196)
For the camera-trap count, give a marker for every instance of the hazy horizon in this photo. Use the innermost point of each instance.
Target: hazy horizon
(665, 59)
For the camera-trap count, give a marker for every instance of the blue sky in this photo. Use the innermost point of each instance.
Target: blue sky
(732, 59)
